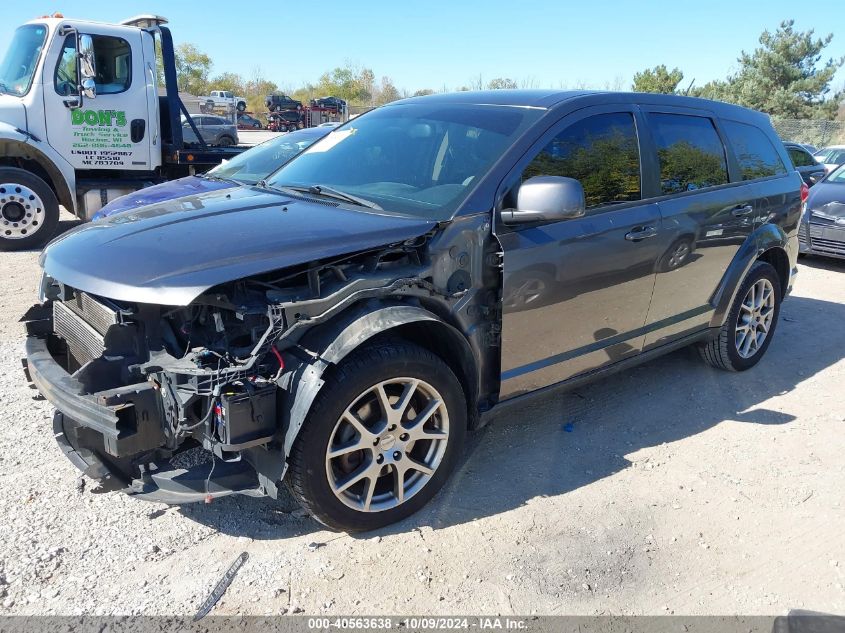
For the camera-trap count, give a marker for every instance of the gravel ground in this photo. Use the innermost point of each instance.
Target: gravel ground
(670, 488)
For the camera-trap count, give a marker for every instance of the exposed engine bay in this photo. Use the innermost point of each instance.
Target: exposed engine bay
(222, 375)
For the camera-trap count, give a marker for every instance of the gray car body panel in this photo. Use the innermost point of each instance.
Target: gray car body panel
(171, 252)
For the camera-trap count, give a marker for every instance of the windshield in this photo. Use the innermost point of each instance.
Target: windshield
(414, 159)
(830, 155)
(18, 65)
(257, 163)
(837, 176)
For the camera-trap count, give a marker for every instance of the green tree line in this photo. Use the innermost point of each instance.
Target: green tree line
(785, 76)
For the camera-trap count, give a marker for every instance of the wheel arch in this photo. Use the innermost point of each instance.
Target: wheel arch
(334, 341)
(15, 153)
(768, 243)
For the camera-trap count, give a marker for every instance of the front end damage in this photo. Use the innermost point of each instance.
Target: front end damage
(185, 403)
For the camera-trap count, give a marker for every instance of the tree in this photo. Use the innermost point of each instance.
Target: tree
(423, 92)
(783, 76)
(658, 79)
(501, 83)
(353, 84)
(192, 69)
(386, 93)
(228, 81)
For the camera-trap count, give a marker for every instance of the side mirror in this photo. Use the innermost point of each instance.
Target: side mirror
(87, 67)
(547, 199)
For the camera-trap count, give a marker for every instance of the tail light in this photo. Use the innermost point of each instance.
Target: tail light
(805, 192)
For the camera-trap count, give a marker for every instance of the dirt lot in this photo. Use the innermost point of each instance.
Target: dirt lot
(670, 488)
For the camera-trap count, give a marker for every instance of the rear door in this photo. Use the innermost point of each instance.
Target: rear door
(576, 292)
(708, 211)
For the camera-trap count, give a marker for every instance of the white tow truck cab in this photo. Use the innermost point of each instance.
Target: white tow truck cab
(82, 122)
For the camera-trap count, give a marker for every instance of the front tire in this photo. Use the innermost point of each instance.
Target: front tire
(29, 211)
(750, 325)
(382, 437)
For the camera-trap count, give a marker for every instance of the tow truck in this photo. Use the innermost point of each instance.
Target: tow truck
(82, 121)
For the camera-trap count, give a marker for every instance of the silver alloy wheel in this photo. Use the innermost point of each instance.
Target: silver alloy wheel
(387, 444)
(679, 255)
(755, 318)
(21, 211)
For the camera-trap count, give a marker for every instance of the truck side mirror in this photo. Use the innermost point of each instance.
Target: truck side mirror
(546, 199)
(87, 67)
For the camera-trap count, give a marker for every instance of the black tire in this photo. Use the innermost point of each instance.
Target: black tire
(241, 106)
(364, 368)
(42, 230)
(226, 141)
(721, 352)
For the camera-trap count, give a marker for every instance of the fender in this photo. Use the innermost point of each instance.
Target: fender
(764, 238)
(16, 143)
(331, 344)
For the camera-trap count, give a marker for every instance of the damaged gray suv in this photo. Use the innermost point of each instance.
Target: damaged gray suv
(343, 324)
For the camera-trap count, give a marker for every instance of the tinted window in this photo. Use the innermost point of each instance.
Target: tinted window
(601, 152)
(754, 151)
(113, 59)
(800, 158)
(690, 152)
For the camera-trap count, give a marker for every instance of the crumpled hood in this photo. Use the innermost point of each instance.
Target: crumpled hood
(828, 199)
(187, 186)
(171, 252)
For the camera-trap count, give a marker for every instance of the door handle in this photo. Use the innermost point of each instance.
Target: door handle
(743, 210)
(641, 233)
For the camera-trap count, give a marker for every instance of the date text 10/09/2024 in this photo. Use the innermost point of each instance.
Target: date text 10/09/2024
(419, 623)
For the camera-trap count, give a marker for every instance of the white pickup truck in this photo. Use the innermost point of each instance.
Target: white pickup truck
(223, 99)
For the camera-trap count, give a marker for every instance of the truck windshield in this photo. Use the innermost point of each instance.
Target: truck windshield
(21, 58)
(412, 159)
(256, 163)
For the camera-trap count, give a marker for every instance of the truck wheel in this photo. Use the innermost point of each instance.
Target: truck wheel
(29, 211)
(241, 106)
(751, 322)
(226, 141)
(381, 438)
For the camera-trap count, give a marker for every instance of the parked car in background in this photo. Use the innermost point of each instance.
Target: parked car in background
(285, 121)
(222, 99)
(832, 156)
(332, 103)
(280, 102)
(247, 122)
(822, 230)
(340, 326)
(215, 130)
(244, 169)
(810, 169)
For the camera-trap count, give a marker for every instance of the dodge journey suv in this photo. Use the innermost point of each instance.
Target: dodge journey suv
(342, 324)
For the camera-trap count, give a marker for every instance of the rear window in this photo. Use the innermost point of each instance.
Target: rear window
(690, 151)
(800, 157)
(754, 152)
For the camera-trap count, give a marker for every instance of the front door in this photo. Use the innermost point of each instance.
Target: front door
(111, 130)
(576, 293)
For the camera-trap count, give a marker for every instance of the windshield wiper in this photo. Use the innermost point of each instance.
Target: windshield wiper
(208, 176)
(329, 192)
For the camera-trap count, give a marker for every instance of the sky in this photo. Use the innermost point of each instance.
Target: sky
(436, 44)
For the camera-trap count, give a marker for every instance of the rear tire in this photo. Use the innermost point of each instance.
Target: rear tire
(226, 141)
(29, 211)
(412, 448)
(751, 322)
(241, 106)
